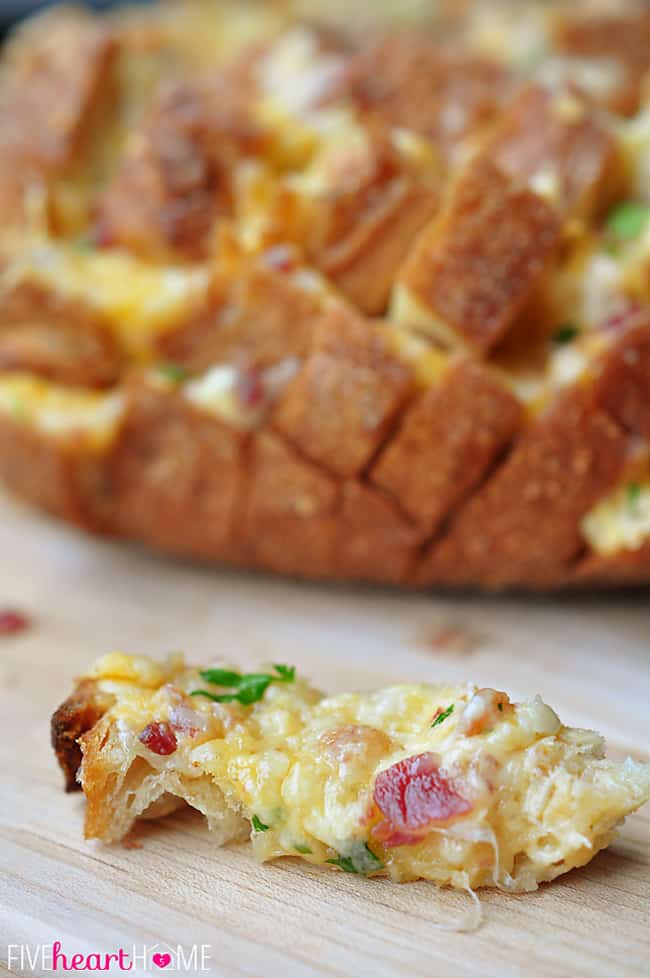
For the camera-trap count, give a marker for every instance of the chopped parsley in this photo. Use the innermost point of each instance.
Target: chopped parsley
(565, 333)
(361, 860)
(247, 688)
(303, 850)
(443, 715)
(173, 372)
(259, 825)
(626, 221)
(343, 862)
(632, 495)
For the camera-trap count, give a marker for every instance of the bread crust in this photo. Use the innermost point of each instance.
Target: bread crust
(75, 717)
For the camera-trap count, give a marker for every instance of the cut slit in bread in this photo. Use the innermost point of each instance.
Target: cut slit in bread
(454, 784)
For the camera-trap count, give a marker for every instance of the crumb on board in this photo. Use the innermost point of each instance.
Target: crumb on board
(449, 636)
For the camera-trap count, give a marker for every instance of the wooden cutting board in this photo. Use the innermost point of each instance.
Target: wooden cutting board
(588, 657)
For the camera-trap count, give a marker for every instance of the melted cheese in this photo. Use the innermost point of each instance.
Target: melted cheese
(61, 412)
(621, 521)
(539, 798)
(139, 300)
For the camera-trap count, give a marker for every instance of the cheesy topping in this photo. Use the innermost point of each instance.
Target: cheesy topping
(450, 783)
(620, 521)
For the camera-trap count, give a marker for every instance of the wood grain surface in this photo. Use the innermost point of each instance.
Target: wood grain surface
(588, 656)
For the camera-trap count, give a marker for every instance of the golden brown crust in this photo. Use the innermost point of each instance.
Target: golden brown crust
(55, 337)
(175, 179)
(175, 474)
(410, 80)
(255, 315)
(63, 477)
(57, 72)
(614, 570)
(446, 442)
(523, 525)
(75, 717)
(479, 263)
(288, 519)
(341, 405)
(555, 134)
(623, 382)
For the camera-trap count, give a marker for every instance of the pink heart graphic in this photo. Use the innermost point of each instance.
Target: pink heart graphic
(161, 960)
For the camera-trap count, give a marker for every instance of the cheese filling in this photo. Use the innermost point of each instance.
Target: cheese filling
(454, 784)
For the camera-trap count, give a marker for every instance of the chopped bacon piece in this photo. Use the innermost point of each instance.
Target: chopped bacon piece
(413, 795)
(12, 622)
(159, 738)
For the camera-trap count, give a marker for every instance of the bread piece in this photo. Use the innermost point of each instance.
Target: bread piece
(342, 404)
(473, 269)
(618, 38)
(57, 72)
(623, 382)
(453, 784)
(65, 476)
(287, 519)
(260, 309)
(175, 178)
(413, 81)
(523, 524)
(56, 337)
(175, 473)
(553, 140)
(374, 540)
(446, 442)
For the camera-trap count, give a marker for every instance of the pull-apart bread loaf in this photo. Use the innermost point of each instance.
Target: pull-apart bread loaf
(454, 784)
(337, 298)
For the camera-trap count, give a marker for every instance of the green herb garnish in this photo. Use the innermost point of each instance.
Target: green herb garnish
(259, 825)
(443, 716)
(565, 334)
(627, 220)
(500, 707)
(361, 860)
(173, 372)
(303, 850)
(343, 862)
(632, 495)
(248, 688)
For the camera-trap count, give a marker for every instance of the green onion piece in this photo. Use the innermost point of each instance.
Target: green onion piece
(632, 495)
(565, 334)
(626, 221)
(361, 860)
(303, 850)
(173, 372)
(443, 716)
(259, 825)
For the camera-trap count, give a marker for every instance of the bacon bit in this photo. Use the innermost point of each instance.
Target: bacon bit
(619, 320)
(483, 711)
(280, 259)
(102, 235)
(13, 622)
(413, 795)
(250, 388)
(452, 638)
(159, 738)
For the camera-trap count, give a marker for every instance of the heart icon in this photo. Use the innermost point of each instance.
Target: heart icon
(161, 960)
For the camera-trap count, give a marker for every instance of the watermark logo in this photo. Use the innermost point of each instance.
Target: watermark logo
(138, 958)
